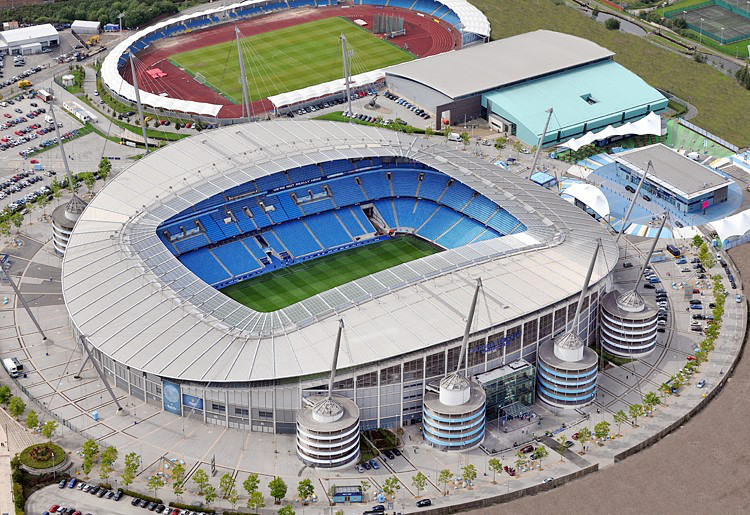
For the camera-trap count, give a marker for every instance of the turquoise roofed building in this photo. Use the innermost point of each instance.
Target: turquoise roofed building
(512, 83)
(584, 99)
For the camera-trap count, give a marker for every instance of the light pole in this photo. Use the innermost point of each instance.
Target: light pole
(700, 33)
(722, 36)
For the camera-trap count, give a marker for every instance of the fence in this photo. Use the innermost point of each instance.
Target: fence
(676, 13)
(712, 137)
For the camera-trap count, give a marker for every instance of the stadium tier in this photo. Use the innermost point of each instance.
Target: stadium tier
(306, 212)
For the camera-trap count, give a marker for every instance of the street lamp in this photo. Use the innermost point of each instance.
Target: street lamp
(722, 35)
(700, 33)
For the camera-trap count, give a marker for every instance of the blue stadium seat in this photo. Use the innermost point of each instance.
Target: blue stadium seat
(212, 230)
(350, 222)
(441, 221)
(290, 208)
(236, 258)
(433, 185)
(228, 229)
(304, 173)
(385, 208)
(404, 183)
(269, 182)
(245, 222)
(328, 230)
(191, 243)
(346, 192)
(260, 217)
(317, 206)
(203, 264)
(487, 235)
(274, 209)
(360, 215)
(480, 208)
(296, 237)
(457, 195)
(408, 216)
(254, 247)
(375, 184)
(461, 234)
(503, 222)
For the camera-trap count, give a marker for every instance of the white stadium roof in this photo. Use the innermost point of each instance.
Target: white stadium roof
(140, 306)
(471, 19)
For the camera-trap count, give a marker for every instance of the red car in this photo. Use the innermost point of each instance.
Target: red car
(575, 435)
(691, 358)
(7, 115)
(18, 133)
(53, 508)
(527, 449)
(34, 161)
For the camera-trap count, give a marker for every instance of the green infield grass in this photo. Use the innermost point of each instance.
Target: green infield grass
(282, 288)
(288, 59)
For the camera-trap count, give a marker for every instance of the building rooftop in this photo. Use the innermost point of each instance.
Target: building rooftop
(673, 171)
(23, 35)
(503, 371)
(85, 24)
(140, 306)
(500, 63)
(591, 94)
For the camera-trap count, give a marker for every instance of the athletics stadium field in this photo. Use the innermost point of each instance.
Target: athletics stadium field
(282, 288)
(288, 59)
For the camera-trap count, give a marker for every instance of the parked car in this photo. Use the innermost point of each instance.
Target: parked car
(701, 383)
(527, 449)
(374, 465)
(630, 188)
(423, 503)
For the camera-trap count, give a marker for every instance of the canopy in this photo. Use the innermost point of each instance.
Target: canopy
(589, 195)
(325, 89)
(649, 124)
(733, 227)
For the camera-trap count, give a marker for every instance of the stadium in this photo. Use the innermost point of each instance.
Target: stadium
(189, 65)
(411, 225)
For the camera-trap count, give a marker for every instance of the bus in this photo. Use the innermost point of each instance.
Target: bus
(673, 250)
(10, 367)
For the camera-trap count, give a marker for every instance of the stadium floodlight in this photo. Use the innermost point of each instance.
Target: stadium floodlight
(138, 100)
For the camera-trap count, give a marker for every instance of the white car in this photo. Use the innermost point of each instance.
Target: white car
(695, 323)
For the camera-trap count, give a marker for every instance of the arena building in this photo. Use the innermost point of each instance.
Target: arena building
(239, 201)
(511, 82)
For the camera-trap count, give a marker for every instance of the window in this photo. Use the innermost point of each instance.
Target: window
(453, 355)
(367, 380)
(242, 412)
(413, 370)
(265, 414)
(435, 364)
(390, 375)
(545, 326)
(220, 408)
(559, 320)
(529, 332)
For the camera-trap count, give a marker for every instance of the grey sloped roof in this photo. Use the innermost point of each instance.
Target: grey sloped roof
(500, 63)
(140, 306)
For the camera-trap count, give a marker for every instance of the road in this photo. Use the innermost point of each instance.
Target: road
(700, 468)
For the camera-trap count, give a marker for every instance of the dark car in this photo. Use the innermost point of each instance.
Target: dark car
(660, 330)
(378, 507)
(630, 188)
(649, 286)
(160, 508)
(422, 503)
(152, 506)
(135, 501)
(389, 455)
(396, 452)
(367, 465)
(109, 494)
(102, 492)
(118, 495)
(646, 198)
(94, 490)
(62, 484)
(527, 449)
(569, 444)
(143, 503)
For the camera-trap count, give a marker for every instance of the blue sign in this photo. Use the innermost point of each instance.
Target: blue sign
(192, 402)
(171, 396)
(496, 344)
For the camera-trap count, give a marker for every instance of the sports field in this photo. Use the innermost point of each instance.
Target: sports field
(288, 59)
(282, 288)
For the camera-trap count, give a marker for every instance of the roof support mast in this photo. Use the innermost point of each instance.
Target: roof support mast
(585, 286)
(469, 320)
(62, 149)
(539, 145)
(632, 202)
(138, 100)
(651, 252)
(335, 358)
(243, 77)
(346, 56)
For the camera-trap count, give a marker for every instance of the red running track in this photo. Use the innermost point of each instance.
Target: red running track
(424, 37)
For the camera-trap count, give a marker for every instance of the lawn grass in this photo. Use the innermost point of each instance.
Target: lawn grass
(289, 59)
(721, 102)
(27, 456)
(282, 288)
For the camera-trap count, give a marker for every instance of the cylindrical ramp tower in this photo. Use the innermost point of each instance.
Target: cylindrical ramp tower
(628, 325)
(566, 372)
(454, 418)
(328, 433)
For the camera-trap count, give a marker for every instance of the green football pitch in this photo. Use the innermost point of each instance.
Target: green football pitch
(282, 288)
(288, 59)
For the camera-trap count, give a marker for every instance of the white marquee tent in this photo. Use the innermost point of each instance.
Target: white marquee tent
(649, 124)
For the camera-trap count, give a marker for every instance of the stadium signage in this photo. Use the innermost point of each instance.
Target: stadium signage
(496, 344)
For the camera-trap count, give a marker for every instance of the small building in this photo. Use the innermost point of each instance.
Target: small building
(544, 180)
(347, 494)
(10, 25)
(507, 385)
(674, 179)
(68, 79)
(79, 112)
(40, 36)
(86, 27)
(111, 27)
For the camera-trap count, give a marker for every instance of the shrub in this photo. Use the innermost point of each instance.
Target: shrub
(612, 24)
(190, 507)
(139, 495)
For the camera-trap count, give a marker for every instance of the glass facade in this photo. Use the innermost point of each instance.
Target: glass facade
(504, 386)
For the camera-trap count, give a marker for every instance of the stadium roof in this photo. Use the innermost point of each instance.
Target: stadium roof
(673, 171)
(611, 88)
(140, 306)
(26, 34)
(500, 63)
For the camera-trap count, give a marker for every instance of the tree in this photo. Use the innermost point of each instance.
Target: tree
(178, 479)
(17, 220)
(444, 478)
(635, 411)
(540, 453)
(233, 498)
(429, 131)
(501, 142)
(520, 461)
(155, 483)
(470, 473)
(391, 486)
(48, 429)
(305, 490)
(132, 464)
(697, 240)
(601, 430)
(619, 418)
(278, 489)
(32, 420)
(226, 485)
(89, 180)
(612, 24)
(5, 394)
(109, 457)
(517, 146)
(419, 481)
(286, 510)
(209, 494)
(89, 451)
(104, 168)
(584, 436)
(560, 447)
(56, 189)
(495, 466)
(16, 407)
(651, 400)
(200, 478)
(5, 228)
(365, 487)
(250, 484)
(43, 202)
(256, 501)
(464, 137)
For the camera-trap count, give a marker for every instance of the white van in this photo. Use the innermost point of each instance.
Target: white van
(49, 119)
(454, 136)
(10, 367)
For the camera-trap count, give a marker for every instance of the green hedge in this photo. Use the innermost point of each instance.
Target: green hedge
(190, 507)
(139, 495)
(30, 462)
